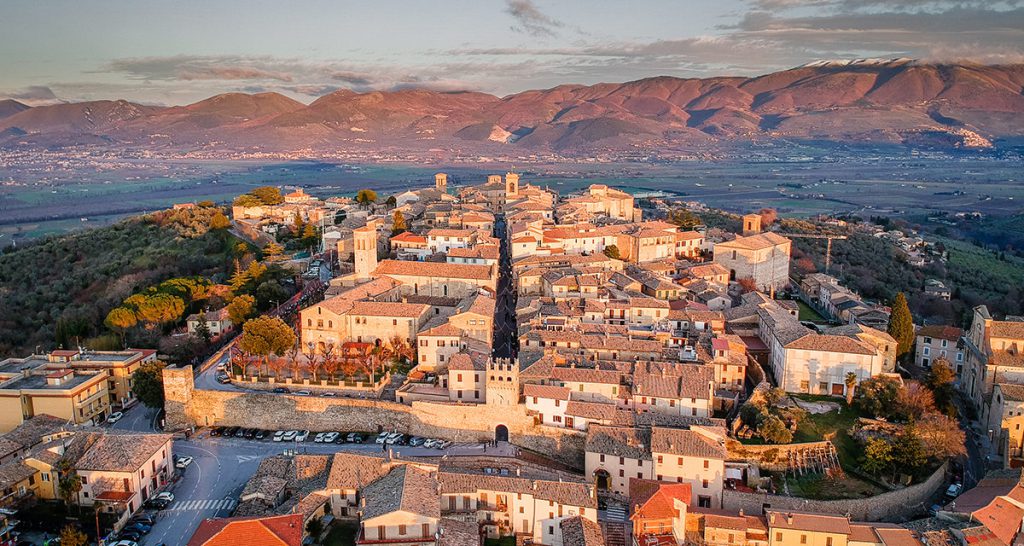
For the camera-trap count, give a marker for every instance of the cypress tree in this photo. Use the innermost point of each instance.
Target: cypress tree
(901, 325)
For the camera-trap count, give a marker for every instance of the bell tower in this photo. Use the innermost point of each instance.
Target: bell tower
(751, 224)
(441, 182)
(511, 185)
(364, 242)
(502, 382)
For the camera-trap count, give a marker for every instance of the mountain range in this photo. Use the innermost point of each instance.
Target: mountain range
(897, 101)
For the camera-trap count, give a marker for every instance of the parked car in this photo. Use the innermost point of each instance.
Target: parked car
(216, 431)
(140, 527)
(355, 438)
(144, 518)
(279, 390)
(395, 438)
(278, 436)
(954, 490)
(301, 436)
(250, 433)
(431, 443)
(260, 434)
(165, 496)
(130, 534)
(382, 437)
(319, 438)
(230, 431)
(115, 417)
(223, 379)
(183, 462)
(444, 444)
(330, 437)
(125, 543)
(303, 393)
(330, 395)
(240, 433)
(417, 441)
(290, 435)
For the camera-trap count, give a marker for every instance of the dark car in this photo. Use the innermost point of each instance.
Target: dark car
(216, 431)
(260, 434)
(140, 527)
(229, 432)
(250, 433)
(280, 390)
(240, 433)
(130, 534)
(143, 518)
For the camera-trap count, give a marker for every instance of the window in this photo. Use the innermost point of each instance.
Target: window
(622, 473)
(704, 501)
(659, 459)
(706, 463)
(704, 484)
(394, 322)
(803, 539)
(602, 457)
(778, 537)
(927, 340)
(401, 529)
(828, 541)
(85, 481)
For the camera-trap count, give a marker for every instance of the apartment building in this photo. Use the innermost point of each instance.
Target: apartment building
(80, 397)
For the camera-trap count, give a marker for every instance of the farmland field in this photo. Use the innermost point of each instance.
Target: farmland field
(40, 199)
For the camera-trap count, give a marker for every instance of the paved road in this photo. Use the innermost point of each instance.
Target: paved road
(210, 486)
(506, 342)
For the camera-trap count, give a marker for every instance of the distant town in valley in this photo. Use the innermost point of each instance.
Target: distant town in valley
(495, 361)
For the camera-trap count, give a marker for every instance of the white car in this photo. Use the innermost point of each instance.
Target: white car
(278, 436)
(303, 393)
(319, 438)
(394, 438)
(183, 462)
(432, 442)
(115, 417)
(301, 437)
(290, 435)
(166, 496)
(125, 543)
(330, 437)
(382, 437)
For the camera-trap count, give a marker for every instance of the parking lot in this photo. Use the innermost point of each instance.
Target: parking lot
(221, 465)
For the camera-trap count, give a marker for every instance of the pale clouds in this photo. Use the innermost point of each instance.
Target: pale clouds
(530, 20)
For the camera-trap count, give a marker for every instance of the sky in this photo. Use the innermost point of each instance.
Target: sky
(160, 52)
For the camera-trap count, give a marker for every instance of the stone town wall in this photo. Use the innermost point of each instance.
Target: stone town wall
(896, 506)
(458, 422)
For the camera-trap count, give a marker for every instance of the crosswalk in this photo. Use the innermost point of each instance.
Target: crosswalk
(615, 513)
(201, 505)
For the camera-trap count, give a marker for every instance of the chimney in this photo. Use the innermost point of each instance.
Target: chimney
(789, 518)
(741, 512)
(771, 518)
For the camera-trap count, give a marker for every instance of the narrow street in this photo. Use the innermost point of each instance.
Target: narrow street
(506, 337)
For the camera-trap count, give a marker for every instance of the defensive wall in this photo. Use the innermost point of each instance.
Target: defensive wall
(895, 506)
(187, 406)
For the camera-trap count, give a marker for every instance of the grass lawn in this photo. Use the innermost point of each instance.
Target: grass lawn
(503, 541)
(808, 313)
(835, 424)
(342, 535)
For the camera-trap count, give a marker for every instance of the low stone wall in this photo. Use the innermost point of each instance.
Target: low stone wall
(894, 506)
(186, 406)
(360, 388)
(773, 457)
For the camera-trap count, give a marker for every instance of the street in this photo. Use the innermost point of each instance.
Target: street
(209, 487)
(506, 330)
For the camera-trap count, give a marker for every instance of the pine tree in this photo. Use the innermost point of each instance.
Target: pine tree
(901, 325)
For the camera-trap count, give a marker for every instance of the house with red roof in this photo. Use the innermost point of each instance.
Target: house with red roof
(261, 531)
(658, 511)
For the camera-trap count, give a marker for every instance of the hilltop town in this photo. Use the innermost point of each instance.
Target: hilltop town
(497, 363)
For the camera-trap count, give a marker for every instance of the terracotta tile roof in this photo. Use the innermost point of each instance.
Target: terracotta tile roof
(343, 302)
(1002, 517)
(35, 429)
(409, 237)
(755, 242)
(486, 252)
(895, 536)
(591, 410)
(586, 375)
(831, 343)
(630, 442)
(981, 536)
(465, 362)
(724, 521)
(546, 391)
(938, 331)
(1012, 392)
(122, 452)
(805, 521)
(1007, 329)
(405, 488)
(579, 531)
(388, 309)
(433, 269)
(459, 533)
(567, 493)
(688, 443)
(656, 500)
(444, 232)
(673, 381)
(13, 472)
(351, 471)
(269, 531)
(444, 330)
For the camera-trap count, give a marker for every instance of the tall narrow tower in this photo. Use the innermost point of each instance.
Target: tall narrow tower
(364, 241)
(441, 182)
(751, 224)
(511, 185)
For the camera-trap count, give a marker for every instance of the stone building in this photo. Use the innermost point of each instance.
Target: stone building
(762, 258)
